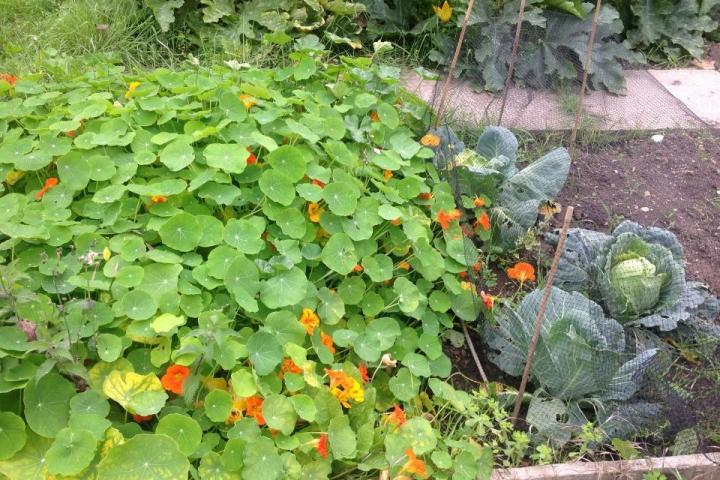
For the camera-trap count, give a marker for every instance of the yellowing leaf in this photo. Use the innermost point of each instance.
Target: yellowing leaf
(138, 394)
(113, 438)
(167, 322)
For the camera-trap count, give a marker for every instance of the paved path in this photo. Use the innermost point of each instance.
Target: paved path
(655, 99)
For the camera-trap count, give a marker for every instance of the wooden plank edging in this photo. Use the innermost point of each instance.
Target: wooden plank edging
(690, 467)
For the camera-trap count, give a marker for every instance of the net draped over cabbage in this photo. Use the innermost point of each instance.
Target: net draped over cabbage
(637, 275)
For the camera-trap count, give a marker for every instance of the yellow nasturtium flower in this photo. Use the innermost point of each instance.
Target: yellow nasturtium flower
(443, 12)
(131, 89)
(106, 253)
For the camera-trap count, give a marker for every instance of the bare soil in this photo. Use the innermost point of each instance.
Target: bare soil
(673, 184)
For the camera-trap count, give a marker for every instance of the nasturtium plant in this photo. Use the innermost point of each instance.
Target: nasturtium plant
(234, 273)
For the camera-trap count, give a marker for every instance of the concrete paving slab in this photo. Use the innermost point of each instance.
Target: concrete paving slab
(699, 90)
(647, 105)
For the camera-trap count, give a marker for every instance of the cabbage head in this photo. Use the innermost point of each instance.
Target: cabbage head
(580, 354)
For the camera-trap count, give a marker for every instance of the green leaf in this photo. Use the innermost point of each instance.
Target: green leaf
(289, 161)
(12, 435)
(245, 234)
(47, 404)
(279, 413)
(212, 467)
(177, 154)
(341, 438)
(144, 456)
(304, 406)
(138, 305)
(284, 289)
(183, 429)
(265, 352)
(218, 405)
(378, 267)
(404, 385)
(109, 347)
(71, 452)
(261, 461)
(181, 232)
(229, 157)
(388, 115)
(89, 402)
(339, 254)
(277, 186)
(243, 282)
(136, 393)
(243, 383)
(341, 197)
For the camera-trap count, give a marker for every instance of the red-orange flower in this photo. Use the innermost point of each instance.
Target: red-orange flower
(395, 221)
(397, 417)
(251, 159)
(358, 268)
(327, 340)
(288, 366)
(253, 408)
(463, 274)
(174, 378)
(318, 183)
(387, 174)
(414, 464)
(479, 202)
(522, 272)
(425, 196)
(345, 388)
(477, 266)
(142, 418)
(488, 300)
(315, 211)
(49, 183)
(248, 101)
(322, 445)
(444, 218)
(309, 320)
(404, 265)
(9, 78)
(374, 117)
(71, 133)
(362, 368)
(483, 222)
(158, 199)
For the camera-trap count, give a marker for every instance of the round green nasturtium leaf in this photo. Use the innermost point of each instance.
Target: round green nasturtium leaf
(279, 413)
(218, 405)
(284, 289)
(212, 467)
(142, 457)
(109, 347)
(177, 154)
(47, 404)
(292, 222)
(211, 229)
(183, 429)
(408, 294)
(419, 434)
(12, 435)
(71, 452)
(331, 308)
(109, 194)
(166, 323)
(229, 157)
(378, 267)
(341, 438)
(404, 385)
(242, 280)
(261, 460)
(351, 290)
(439, 301)
(136, 393)
(289, 161)
(12, 338)
(339, 254)
(265, 352)
(417, 364)
(245, 234)
(181, 232)
(277, 186)
(138, 305)
(341, 197)
(101, 168)
(95, 424)
(304, 406)
(243, 383)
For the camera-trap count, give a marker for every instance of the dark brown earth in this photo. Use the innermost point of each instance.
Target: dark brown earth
(673, 184)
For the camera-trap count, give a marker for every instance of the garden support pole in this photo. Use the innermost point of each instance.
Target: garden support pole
(541, 313)
(586, 66)
(453, 64)
(513, 57)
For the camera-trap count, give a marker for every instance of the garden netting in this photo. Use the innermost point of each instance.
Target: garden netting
(623, 330)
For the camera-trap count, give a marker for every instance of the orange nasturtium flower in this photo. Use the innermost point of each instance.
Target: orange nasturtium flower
(174, 378)
(414, 464)
(315, 211)
(387, 174)
(483, 222)
(443, 12)
(251, 159)
(404, 265)
(327, 340)
(488, 300)
(479, 202)
(397, 417)
(288, 366)
(142, 418)
(425, 196)
(344, 387)
(322, 445)
(49, 183)
(236, 413)
(158, 199)
(522, 272)
(248, 101)
(358, 268)
(430, 140)
(131, 89)
(309, 320)
(395, 221)
(362, 368)
(374, 117)
(253, 408)
(318, 183)
(71, 133)
(444, 218)
(9, 78)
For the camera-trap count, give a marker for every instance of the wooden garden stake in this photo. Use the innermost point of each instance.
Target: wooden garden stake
(541, 313)
(453, 64)
(513, 57)
(474, 353)
(586, 66)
